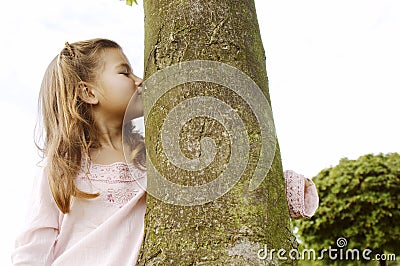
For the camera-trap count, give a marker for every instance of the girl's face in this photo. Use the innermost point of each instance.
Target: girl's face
(117, 85)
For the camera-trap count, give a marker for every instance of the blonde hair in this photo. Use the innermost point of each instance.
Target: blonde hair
(68, 124)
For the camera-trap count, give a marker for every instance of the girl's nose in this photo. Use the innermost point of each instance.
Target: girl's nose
(138, 81)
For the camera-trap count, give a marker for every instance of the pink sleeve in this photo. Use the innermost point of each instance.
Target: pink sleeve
(301, 195)
(34, 246)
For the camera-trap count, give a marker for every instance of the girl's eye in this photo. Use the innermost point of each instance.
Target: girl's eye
(125, 71)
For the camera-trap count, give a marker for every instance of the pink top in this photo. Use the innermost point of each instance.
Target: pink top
(108, 230)
(301, 195)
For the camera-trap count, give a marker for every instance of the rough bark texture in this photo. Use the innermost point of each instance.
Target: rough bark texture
(231, 229)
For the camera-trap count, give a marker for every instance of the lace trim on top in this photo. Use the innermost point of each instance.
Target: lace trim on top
(117, 183)
(115, 173)
(301, 195)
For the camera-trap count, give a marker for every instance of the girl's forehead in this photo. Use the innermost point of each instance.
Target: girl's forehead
(114, 57)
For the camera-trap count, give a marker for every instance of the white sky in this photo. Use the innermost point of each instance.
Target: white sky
(333, 68)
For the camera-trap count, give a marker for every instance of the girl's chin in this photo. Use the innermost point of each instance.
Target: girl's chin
(133, 113)
(132, 117)
(135, 108)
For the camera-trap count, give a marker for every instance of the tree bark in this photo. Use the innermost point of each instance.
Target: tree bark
(231, 229)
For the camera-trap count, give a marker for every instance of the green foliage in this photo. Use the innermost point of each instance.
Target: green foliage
(359, 200)
(129, 2)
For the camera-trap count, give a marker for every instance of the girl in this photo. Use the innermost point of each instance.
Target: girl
(90, 205)
(97, 217)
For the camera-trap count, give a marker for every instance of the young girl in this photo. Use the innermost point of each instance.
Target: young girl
(90, 204)
(97, 217)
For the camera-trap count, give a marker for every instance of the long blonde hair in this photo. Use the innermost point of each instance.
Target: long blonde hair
(68, 125)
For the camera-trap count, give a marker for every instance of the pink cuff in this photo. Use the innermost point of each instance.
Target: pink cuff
(301, 195)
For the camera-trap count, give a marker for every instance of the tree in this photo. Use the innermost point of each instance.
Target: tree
(231, 228)
(359, 205)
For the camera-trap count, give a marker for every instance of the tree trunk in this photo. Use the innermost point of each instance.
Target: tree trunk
(220, 228)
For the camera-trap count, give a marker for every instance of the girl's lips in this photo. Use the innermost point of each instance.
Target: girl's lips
(139, 91)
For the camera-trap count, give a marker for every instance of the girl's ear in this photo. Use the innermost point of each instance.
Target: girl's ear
(87, 94)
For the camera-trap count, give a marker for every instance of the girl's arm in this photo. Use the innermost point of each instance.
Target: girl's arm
(301, 195)
(35, 245)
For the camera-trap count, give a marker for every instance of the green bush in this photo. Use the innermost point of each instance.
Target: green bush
(359, 201)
